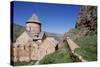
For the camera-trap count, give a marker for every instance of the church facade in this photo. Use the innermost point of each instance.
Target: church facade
(32, 44)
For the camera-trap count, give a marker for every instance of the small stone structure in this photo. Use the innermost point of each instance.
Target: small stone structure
(32, 44)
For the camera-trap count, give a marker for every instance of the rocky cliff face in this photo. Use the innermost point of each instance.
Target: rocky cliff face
(86, 23)
(87, 19)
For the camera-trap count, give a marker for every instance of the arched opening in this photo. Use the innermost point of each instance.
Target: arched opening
(56, 48)
(24, 47)
(30, 51)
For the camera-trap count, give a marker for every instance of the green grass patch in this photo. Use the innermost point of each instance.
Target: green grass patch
(88, 48)
(74, 30)
(60, 56)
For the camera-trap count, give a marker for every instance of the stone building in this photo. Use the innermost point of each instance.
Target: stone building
(32, 44)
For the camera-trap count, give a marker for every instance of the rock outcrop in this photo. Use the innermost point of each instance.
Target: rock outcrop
(87, 19)
(86, 23)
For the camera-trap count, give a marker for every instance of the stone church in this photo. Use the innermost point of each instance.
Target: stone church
(33, 44)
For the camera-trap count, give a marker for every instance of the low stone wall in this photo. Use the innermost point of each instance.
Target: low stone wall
(79, 57)
(72, 46)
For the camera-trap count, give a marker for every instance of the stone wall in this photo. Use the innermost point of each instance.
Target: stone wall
(31, 50)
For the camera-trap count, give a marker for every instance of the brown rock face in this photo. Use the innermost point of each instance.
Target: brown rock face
(87, 19)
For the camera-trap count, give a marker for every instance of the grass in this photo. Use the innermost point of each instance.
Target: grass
(60, 56)
(88, 48)
(20, 63)
(74, 31)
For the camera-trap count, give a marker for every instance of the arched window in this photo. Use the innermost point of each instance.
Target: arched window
(30, 46)
(24, 47)
(18, 50)
(18, 46)
(56, 48)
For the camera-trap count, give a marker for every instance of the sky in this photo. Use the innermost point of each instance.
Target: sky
(55, 18)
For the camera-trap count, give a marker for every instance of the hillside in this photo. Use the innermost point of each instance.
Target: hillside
(57, 36)
(85, 33)
(18, 29)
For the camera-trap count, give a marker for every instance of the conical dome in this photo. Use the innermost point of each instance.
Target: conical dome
(33, 19)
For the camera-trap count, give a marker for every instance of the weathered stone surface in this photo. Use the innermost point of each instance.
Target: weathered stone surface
(32, 51)
(87, 19)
